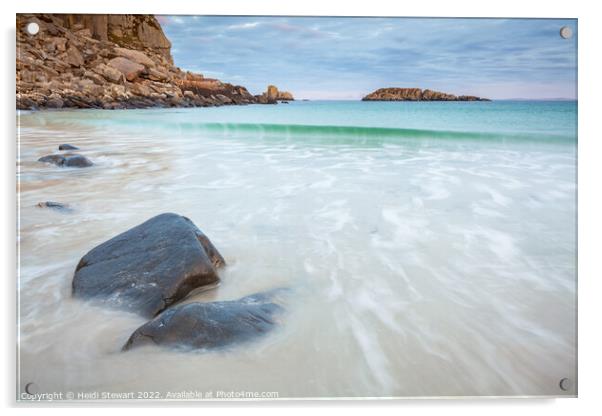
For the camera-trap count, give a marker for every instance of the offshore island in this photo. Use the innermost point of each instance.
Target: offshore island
(416, 94)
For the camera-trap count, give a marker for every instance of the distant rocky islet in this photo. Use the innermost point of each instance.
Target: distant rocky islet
(417, 94)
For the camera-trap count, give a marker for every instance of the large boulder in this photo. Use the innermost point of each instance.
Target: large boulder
(74, 57)
(136, 56)
(149, 267)
(211, 325)
(110, 74)
(131, 70)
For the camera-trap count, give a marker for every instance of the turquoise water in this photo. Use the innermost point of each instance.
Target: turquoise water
(550, 120)
(431, 246)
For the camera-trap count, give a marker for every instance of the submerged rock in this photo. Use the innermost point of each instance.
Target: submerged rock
(67, 146)
(69, 160)
(77, 161)
(55, 205)
(54, 159)
(211, 325)
(149, 267)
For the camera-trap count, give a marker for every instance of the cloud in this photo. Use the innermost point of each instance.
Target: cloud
(244, 26)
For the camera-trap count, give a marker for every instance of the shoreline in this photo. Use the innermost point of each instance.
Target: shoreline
(160, 107)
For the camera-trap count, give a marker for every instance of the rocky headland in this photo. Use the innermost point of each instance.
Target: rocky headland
(111, 62)
(416, 94)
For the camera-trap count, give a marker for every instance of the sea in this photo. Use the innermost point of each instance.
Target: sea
(430, 247)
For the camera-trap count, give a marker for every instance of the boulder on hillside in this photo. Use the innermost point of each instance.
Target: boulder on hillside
(135, 56)
(149, 267)
(110, 74)
(131, 70)
(74, 57)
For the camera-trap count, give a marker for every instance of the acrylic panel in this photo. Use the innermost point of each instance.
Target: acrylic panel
(281, 207)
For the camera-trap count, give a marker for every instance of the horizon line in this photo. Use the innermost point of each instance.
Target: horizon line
(410, 101)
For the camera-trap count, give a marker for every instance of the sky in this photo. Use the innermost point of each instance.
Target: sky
(347, 58)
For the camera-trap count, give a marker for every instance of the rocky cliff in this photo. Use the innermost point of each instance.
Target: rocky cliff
(416, 94)
(108, 61)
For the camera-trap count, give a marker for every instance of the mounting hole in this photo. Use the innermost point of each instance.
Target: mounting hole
(32, 28)
(30, 388)
(565, 384)
(566, 32)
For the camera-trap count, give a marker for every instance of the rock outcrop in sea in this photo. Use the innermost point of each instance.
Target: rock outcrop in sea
(416, 94)
(108, 61)
(273, 95)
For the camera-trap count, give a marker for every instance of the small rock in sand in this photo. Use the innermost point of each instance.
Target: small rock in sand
(67, 146)
(55, 205)
(69, 160)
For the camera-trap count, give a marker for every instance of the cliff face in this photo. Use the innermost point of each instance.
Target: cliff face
(416, 94)
(108, 61)
(140, 32)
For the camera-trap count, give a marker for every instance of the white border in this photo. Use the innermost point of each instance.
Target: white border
(590, 207)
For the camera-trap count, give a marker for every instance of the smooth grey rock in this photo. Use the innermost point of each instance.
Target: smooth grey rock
(149, 267)
(211, 325)
(68, 160)
(67, 146)
(77, 161)
(54, 159)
